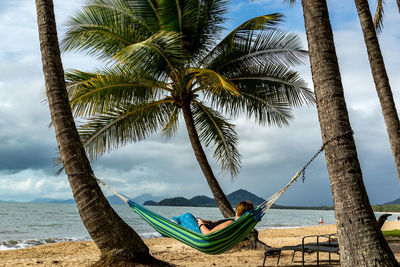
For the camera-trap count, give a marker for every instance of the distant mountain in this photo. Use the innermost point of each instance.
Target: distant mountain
(394, 202)
(150, 203)
(145, 197)
(52, 201)
(66, 201)
(42, 200)
(235, 197)
(198, 201)
(114, 200)
(179, 201)
(176, 201)
(204, 201)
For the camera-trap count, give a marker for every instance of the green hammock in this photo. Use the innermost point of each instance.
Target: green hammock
(214, 243)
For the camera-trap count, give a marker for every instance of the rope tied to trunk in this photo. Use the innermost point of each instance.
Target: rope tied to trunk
(322, 148)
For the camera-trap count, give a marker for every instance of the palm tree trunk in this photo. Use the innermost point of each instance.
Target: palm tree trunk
(223, 203)
(361, 242)
(115, 239)
(398, 4)
(381, 80)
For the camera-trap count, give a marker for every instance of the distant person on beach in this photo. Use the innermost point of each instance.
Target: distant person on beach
(205, 227)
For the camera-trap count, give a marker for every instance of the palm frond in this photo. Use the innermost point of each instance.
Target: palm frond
(270, 46)
(171, 15)
(285, 84)
(120, 126)
(171, 128)
(378, 18)
(259, 23)
(103, 28)
(268, 94)
(214, 129)
(146, 11)
(211, 81)
(162, 52)
(101, 91)
(291, 2)
(200, 23)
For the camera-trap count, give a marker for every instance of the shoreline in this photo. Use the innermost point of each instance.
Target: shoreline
(85, 253)
(146, 236)
(29, 243)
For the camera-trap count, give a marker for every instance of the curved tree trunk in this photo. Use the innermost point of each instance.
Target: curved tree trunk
(223, 203)
(361, 242)
(381, 80)
(115, 239)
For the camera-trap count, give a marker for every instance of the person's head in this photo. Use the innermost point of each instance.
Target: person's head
(243, 207)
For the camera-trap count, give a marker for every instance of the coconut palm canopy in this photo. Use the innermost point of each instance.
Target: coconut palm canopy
(163, 58)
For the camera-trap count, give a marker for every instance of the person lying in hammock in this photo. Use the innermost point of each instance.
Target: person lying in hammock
(205, 227)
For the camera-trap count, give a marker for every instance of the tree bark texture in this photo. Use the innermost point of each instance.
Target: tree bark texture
(361, 242)
(110, 233)
(381, 80)
(223, 203)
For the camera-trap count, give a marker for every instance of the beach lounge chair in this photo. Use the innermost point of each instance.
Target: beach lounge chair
(329, 246)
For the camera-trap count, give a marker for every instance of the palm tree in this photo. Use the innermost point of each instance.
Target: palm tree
(115, 239)
(162, 60)
(381, 80)
(378, 17)
(360, 240)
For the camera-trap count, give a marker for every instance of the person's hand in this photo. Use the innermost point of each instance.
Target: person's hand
(200, 221)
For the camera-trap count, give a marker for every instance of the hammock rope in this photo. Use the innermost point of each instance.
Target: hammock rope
(124, 199)
(322, 148)
(267, 204)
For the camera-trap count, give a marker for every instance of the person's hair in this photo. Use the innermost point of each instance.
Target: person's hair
(243, 207)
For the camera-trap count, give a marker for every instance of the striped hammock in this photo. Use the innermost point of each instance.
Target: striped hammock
(214, 243)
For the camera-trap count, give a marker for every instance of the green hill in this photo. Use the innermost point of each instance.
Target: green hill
(235, 197)
(150, 203)
(394, 202)
(176, 201)
(203, 201)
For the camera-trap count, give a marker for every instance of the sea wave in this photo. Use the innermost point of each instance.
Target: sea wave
(150, 235)
(16, 244)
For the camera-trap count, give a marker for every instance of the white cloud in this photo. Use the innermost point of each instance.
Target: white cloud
(29, 184)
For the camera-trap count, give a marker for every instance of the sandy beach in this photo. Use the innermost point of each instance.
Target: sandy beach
(169, 250)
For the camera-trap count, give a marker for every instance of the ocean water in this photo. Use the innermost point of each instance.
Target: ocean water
(30, 224)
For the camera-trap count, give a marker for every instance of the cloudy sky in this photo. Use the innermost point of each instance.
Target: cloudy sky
(271, 156)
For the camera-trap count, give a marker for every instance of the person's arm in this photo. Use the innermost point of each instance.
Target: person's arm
(204, 230)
